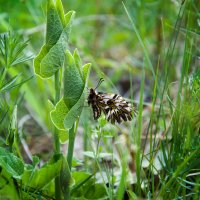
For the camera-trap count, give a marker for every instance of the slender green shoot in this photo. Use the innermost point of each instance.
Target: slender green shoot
(138, 138)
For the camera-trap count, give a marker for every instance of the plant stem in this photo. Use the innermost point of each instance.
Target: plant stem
(56, 138)
(72, 135)
(57, 97)
(138, 139)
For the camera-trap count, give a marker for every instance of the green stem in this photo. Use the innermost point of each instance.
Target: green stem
(72, 135)
(56, 138)
(97, 152)
(138, 139)
(57, 97)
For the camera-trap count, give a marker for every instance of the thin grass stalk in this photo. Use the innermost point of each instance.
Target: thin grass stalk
(167, 63)
(177, 172)
(138, 139)
(149, 64)
(85, 141)
(151, 131)
(96, 159)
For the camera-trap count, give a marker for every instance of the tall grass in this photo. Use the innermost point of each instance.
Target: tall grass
(172, 132)
(156, 156)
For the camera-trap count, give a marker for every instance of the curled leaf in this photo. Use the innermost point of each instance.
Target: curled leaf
(62, 134)
(69, 108)
(52, 54)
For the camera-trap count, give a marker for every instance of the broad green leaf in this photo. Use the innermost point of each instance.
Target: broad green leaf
(11, 163)
(73, 81)
(96, 191)
(59, 113)
(38, 178)
(69, 108)
(52, 54)
(60, 10)
(63, 136)
(54, 24)
(80, 178)
(7, 186)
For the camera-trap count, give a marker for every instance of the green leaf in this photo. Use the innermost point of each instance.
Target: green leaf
(80, 178)
(52, 54)
(65, 177)
(11, 84)
(54, 24)
(12, 49)
(102, 121)
(60, 10)
(73, 81)
(91, 154)
(96, 191)
(12, 136)
(63, 134)
(58, 114)
(69, 108)
(8, 186)
(132, 195)
(38, 178)
(76, 162)
(36, 160)
(11, 163)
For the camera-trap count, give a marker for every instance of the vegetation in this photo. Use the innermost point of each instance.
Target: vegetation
(50, 145)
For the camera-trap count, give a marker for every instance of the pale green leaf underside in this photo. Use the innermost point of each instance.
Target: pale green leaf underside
(62, 134)
(52, 54)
